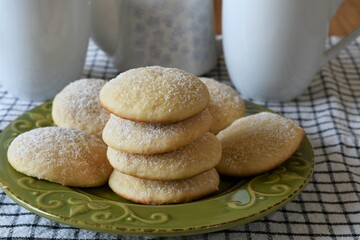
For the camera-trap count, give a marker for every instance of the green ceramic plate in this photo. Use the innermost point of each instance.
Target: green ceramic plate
(239, 201)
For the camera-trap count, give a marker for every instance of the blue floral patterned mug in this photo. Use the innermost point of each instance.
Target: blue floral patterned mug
(169, 33)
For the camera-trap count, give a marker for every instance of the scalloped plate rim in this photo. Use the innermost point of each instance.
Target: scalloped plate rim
(158, 231)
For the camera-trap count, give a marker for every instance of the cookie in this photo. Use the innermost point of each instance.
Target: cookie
(164, 192)
(192, 159)
(258, 143)
(62, 155)
(155, 94)
(225, 104)
(151, 138)
(77, 106)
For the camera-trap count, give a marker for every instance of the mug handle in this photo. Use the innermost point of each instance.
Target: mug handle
(335, 50)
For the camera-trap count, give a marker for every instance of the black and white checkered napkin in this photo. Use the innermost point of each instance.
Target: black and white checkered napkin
(328, 208)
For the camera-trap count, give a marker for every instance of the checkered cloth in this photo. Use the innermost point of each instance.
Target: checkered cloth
(328, 208)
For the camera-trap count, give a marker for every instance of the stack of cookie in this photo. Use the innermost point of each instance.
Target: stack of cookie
(158, 136)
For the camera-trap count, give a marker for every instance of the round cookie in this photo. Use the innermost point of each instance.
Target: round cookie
(155, 94)
(199, 156)
(164, 192)
(62, 155)
(258, 143)
(78, 106)
(151, 138)
(225, 104)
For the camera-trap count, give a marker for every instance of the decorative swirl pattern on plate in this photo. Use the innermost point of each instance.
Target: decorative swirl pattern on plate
(101, 211)
(272, 182)
(47, 106)
(21, 125)
(35, 119)
(42, 118)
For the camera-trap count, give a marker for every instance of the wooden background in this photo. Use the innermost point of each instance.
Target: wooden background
(346, 19)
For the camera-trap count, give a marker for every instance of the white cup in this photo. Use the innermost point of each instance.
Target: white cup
(273, 48)
(170, 33)
(43, 45)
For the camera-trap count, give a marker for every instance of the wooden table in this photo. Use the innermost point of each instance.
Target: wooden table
(347, 18)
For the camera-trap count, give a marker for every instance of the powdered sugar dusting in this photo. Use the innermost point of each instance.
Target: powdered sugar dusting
(78, 106)
(165, 192)
(257, 139)
(54, 152)
(225, 104)
(120, 133)
(201, 155)
(44, 141)
(157, 92)
(189, 185)
(220, 93)
(177, 84)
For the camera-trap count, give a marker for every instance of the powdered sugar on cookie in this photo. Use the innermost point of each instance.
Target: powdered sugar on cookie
(164, 192)
(192, 159)
(258, 143)
(151, 138)
(155, 94)
(62, 155)
(225, 104)
(78, 106)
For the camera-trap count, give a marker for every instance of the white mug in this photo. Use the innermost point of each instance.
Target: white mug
(43, 45)
(170, 33)
(274, 48)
